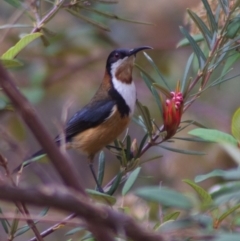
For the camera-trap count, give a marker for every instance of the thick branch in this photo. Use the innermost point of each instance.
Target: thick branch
(69, 200)
(61, 163)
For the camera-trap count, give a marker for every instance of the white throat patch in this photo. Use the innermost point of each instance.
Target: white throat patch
(127, 91)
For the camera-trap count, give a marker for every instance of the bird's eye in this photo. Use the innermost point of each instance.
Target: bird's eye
(116, 55)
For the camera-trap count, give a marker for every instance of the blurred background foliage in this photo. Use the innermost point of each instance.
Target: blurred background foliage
(68, 65)
(71, 67)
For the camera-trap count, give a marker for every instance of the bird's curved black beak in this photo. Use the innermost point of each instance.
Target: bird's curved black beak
(136, 50)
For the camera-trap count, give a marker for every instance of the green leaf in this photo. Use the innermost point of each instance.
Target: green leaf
(236, 124)
(213, 135)
(164, 196)
(115, 184)
(10, 63)
(75, 230)
(113, 16)
(198, 52)
(89, 20)
(171, 216)
(196, 139)
(21, 44)
(204, 195)
(226, 237)
(5, 223)
(101, 197)
(231, 174)
(15, 26)
(157, 99)
(14, 3)
(163, 90)
(225, 6)
(14, 225)
(101, 167)
(185, 42)
(233, 151)
(144, 139)
(201, 26)
(233, 28)
(184, 82)
(130, 181)
(146, 80)
(156, 69)
(146, 117)
(210, 16)
(186, 152)
(229, 63)
(228, 212)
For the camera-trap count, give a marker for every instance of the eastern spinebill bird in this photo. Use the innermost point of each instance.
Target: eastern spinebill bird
(108, 113)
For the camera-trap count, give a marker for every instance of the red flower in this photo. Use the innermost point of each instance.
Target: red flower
(172, 113)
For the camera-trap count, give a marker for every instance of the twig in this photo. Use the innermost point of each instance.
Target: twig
(48, 16)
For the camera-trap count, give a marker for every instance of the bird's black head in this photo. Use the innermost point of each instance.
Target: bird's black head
(118, 56)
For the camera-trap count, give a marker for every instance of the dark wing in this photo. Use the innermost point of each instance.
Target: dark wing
(90, 116)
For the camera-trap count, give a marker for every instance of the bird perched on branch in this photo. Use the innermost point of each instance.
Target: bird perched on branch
(107, 114)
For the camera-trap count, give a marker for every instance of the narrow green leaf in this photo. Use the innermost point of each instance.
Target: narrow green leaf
(204, 195)
(144, 139)
(164, 196)
(233, 28)
(146, 116)
(114, 16)
(7, 26)
(185, 42)
(193, 122)
(229, 63)
(213, 135)
(224, 80)
(163, 90)
(225, 6)
(14, 3)
(191, 139)
(226, 237)
(198, 52)
(184, 82)
(236, 124)
(101, 167)
(156, 69)
(186, 152)
(146, 80)
(115, 185)
(211, 18)
(151, 159)
(21, 44)
(228, 212)
(201, 26)
(89, 20)
(130, 181)
(157, 99)
(14, 225)
(75, 230)
(128, 148)
(5, 223)
(233, 151)
(101, 197)
(10, 63)
(232, 174)
(171, 216)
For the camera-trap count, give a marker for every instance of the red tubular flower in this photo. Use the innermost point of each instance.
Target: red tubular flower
(172, 113)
